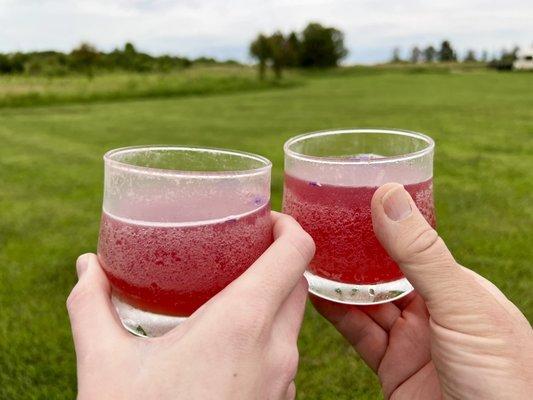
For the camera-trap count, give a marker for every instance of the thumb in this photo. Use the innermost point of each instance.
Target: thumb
(92, 316)
(419, 251)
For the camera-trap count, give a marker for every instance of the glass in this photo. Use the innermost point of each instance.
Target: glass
(330, 178)
(178, 225)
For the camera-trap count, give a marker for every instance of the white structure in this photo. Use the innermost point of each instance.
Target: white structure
(524, 59)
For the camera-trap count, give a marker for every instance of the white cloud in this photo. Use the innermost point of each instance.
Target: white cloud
(224, 28)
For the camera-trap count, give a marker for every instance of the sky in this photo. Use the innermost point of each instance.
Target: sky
(224, 28)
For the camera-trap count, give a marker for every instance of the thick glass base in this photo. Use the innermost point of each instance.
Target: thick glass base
(144, 323)
(357, 294)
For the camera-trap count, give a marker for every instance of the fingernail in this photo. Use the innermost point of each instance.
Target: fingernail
(82, 263)
(396, 204)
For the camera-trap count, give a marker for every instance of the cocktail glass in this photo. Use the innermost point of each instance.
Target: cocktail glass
(178, 225)
(330, 178)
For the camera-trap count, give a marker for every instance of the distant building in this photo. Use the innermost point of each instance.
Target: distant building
(524, 59)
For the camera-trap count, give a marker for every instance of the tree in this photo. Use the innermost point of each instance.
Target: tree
(129, 48)
(293, 48)
(12, 63)
(484, 56)
(506, 60)
(278, 52)
(470, 56)
(84, 58)
(5, 64)
(396, 57)
(512, 55)
(430, 54)
(321, 46)
(446, 53)
(261, 50)
(416, 55)
(17, 62)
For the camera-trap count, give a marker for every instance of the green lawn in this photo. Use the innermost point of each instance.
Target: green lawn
(51, 189)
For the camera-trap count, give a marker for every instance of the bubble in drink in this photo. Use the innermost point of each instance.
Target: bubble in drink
(175, 268)
(339, 220)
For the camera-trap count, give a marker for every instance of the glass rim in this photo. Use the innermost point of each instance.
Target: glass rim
(108, 159)
(336, 160)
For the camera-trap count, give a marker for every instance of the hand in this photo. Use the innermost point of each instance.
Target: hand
(239, 345)
(456, 337)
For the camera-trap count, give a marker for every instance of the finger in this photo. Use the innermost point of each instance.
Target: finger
(425, 383)
(273, 276)
(419, 251)
(406, 300)
(410, 336)
(275, 215)
(365, 335)
(92, 316)
(385, 315)
(288, 320)
(291, 391)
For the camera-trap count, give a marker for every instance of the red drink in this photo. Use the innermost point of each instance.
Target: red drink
(339, 220)
(175, 268)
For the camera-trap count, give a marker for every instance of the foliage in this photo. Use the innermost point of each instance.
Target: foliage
(430, 54)
(84, 58)
(262, 51)
(506, 60)
(416, 55)
(278, 46)
(87, 59)
(446, 52)
(470, 56)
(10, 64)
(321, 46)
(293, 50)
(317, 46)
(396, 55)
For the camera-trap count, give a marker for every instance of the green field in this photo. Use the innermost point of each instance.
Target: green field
(23, 90)
(51, 189)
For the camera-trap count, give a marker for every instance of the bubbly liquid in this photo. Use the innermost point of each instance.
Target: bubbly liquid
(175, 268)
(340, 222)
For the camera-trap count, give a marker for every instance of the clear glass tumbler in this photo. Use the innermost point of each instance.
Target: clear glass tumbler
(178, 225)
(330, 178)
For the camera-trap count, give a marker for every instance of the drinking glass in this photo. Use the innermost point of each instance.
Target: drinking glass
(178, 225)
(330, 178)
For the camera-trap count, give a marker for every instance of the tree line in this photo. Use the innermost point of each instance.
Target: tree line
(429, 54)
(87, 59)
(316, 46)
(446, 53)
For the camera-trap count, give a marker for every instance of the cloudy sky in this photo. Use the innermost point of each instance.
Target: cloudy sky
(223, 28)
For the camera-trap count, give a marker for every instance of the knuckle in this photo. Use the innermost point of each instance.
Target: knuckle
(291, 391)
(422, 243)
(302, 243)
(288, 363)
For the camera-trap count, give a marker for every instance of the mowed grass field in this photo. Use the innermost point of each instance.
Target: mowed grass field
(51, 189)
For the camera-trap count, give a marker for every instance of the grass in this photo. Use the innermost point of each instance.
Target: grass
(51, 190)
(17, 91)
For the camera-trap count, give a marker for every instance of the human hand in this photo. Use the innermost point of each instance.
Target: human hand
(456, 337)
(239, 345)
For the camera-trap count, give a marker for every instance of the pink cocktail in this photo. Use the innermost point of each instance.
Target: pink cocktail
(173, 270)
(330, 178)
(178, 225)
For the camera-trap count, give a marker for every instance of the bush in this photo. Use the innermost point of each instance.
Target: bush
(87, 59)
